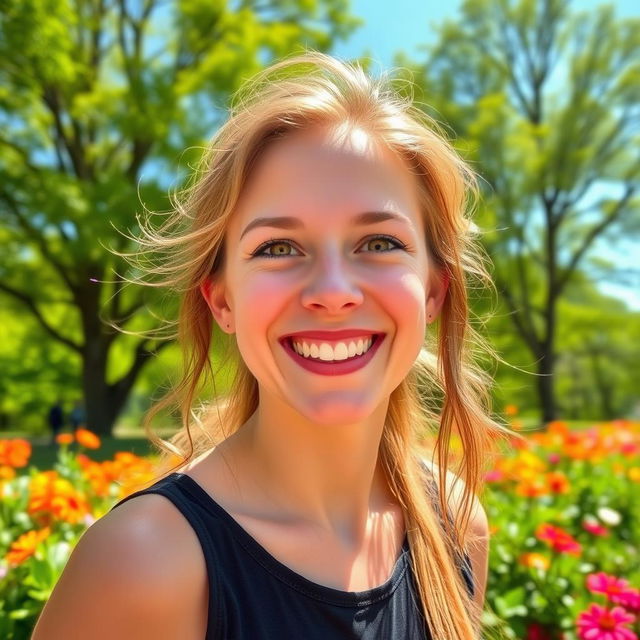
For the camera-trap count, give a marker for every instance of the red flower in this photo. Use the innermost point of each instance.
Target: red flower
(600, 623)
(537, 631)
(558, 539)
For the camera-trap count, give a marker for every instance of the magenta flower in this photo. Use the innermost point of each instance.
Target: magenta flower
(629, 599)
(610, 586)
(600, 623)
(595, 528)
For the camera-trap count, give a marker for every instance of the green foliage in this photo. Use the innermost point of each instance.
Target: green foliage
(544, 104)
(98, 101)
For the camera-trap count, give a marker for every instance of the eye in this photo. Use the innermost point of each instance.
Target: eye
(383, 244)
(275, 248)
(281, 248)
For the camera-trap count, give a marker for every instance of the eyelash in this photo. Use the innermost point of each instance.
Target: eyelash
(265, 245)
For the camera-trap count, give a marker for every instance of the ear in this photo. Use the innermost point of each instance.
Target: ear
(213, 291)
(438, 287)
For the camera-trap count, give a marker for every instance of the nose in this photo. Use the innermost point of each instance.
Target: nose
(332, 286)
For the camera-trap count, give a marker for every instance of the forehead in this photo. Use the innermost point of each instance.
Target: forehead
(325, 175)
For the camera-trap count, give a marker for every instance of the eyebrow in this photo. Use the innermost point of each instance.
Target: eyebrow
(288, 222)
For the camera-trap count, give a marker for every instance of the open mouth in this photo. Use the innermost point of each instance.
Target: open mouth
(335, 351)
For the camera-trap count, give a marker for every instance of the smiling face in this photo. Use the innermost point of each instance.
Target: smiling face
(327, 245)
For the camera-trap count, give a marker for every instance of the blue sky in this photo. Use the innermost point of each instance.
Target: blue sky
(391, 25)
(409, 25)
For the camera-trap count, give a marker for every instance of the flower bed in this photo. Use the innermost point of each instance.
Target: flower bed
(563, 507)
(565, 548)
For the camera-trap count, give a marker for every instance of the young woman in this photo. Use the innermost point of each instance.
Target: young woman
(325, 234)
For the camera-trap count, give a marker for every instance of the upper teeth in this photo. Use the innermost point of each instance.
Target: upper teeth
(334, 351)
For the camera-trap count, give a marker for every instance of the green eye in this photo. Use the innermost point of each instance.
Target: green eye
(378, 244)
(284, 248)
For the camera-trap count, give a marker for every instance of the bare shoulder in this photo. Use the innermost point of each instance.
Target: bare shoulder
(478, 533)
(138, 572)
(455, 486)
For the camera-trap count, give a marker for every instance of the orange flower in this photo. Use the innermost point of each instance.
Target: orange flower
(532, 488)
(64, 438)
(511, 410)
(25, 546)
(534, 561)
(52, 497)
(87, 439)
(557, 482)
(15, 452)
(558, 426)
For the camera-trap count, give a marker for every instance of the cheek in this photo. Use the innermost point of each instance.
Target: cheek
(405, 296)
(259, 301)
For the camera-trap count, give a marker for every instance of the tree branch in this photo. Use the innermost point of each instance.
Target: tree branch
(31, 304)
(38, 238)
(121, 387)
(595, 231)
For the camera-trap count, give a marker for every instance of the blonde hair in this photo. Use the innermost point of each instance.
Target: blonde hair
(444, 391)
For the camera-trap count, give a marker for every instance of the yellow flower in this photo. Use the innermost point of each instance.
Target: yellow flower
(634, 474)
(7, 473)
(534, 561)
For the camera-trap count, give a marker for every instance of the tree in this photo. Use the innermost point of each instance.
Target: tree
(545, 104)
(98, 99)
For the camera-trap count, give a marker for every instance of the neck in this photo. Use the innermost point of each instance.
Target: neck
(326, 476)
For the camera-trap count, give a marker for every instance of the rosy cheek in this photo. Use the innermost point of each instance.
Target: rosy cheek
(404, 287)
(262, 296)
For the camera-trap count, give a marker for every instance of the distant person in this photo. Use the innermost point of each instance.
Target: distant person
(78, 417)
(56, 420)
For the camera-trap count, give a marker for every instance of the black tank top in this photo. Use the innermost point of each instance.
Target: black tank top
(253, 596)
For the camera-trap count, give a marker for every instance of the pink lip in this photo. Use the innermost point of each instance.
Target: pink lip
(332, 335)
(334, 368)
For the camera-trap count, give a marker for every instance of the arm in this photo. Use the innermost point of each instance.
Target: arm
(134, 575)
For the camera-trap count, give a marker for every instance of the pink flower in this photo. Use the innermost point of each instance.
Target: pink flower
(629, 599)
(600, 623)
(609, 585)
(595, 528)
(554, 458)
(494, 476)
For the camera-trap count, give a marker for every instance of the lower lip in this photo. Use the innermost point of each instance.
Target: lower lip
(333, 368)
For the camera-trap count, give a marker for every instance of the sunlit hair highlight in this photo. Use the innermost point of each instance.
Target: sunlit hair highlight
(443, 394)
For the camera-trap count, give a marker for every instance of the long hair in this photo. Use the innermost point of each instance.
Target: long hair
(444, 393)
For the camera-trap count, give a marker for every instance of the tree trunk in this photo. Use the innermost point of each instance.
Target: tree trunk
(100, 409)
(605, 389)
(545, 385)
